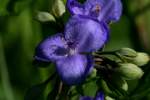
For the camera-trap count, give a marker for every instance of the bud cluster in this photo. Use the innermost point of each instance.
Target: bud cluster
(130, 67)
(115, 72)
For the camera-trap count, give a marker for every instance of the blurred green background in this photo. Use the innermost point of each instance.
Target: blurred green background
(20, 32)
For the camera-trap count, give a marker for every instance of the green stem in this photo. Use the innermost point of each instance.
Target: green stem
(106, 52)
(64, 93)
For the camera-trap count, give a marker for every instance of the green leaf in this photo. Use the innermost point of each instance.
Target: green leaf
(90, 86)
(79, 89)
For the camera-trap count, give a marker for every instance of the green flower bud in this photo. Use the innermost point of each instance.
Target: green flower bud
(58, 8)
(129, 71)
(120, 82)
(124, 85)
(127, 52)
(105, 87)
(45, 17)
(109, 88)
(141, 59)
(93, 73)
(109, 98)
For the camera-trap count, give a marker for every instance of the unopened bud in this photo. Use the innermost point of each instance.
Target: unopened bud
(127, 52)
(141, 59)
(93, 73)
(45, 17)
(124, 85)
(105, 87)
(58, 8)
(109, 98)
(130, 71)
(120, 83)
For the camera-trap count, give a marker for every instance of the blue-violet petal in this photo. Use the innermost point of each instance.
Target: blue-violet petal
(73, 69)
(52, 48)
(75, 7)
(103, 10)
(85, 35)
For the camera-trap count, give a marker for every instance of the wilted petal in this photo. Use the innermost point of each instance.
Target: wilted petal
(104, 10)
(85, 35)
(74, 68)
(51, 49)
(75, 7)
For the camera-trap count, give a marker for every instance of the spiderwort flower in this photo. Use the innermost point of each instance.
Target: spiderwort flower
(99, 96)
(87, 34)
(102, 10)
(81, 35)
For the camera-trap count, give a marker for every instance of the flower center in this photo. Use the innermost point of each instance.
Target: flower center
(72, 51)
(96, 10)
(72, 47)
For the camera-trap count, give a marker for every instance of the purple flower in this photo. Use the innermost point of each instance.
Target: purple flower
(102, 10)
(67, 51)
(99, 96)
(86, 34)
